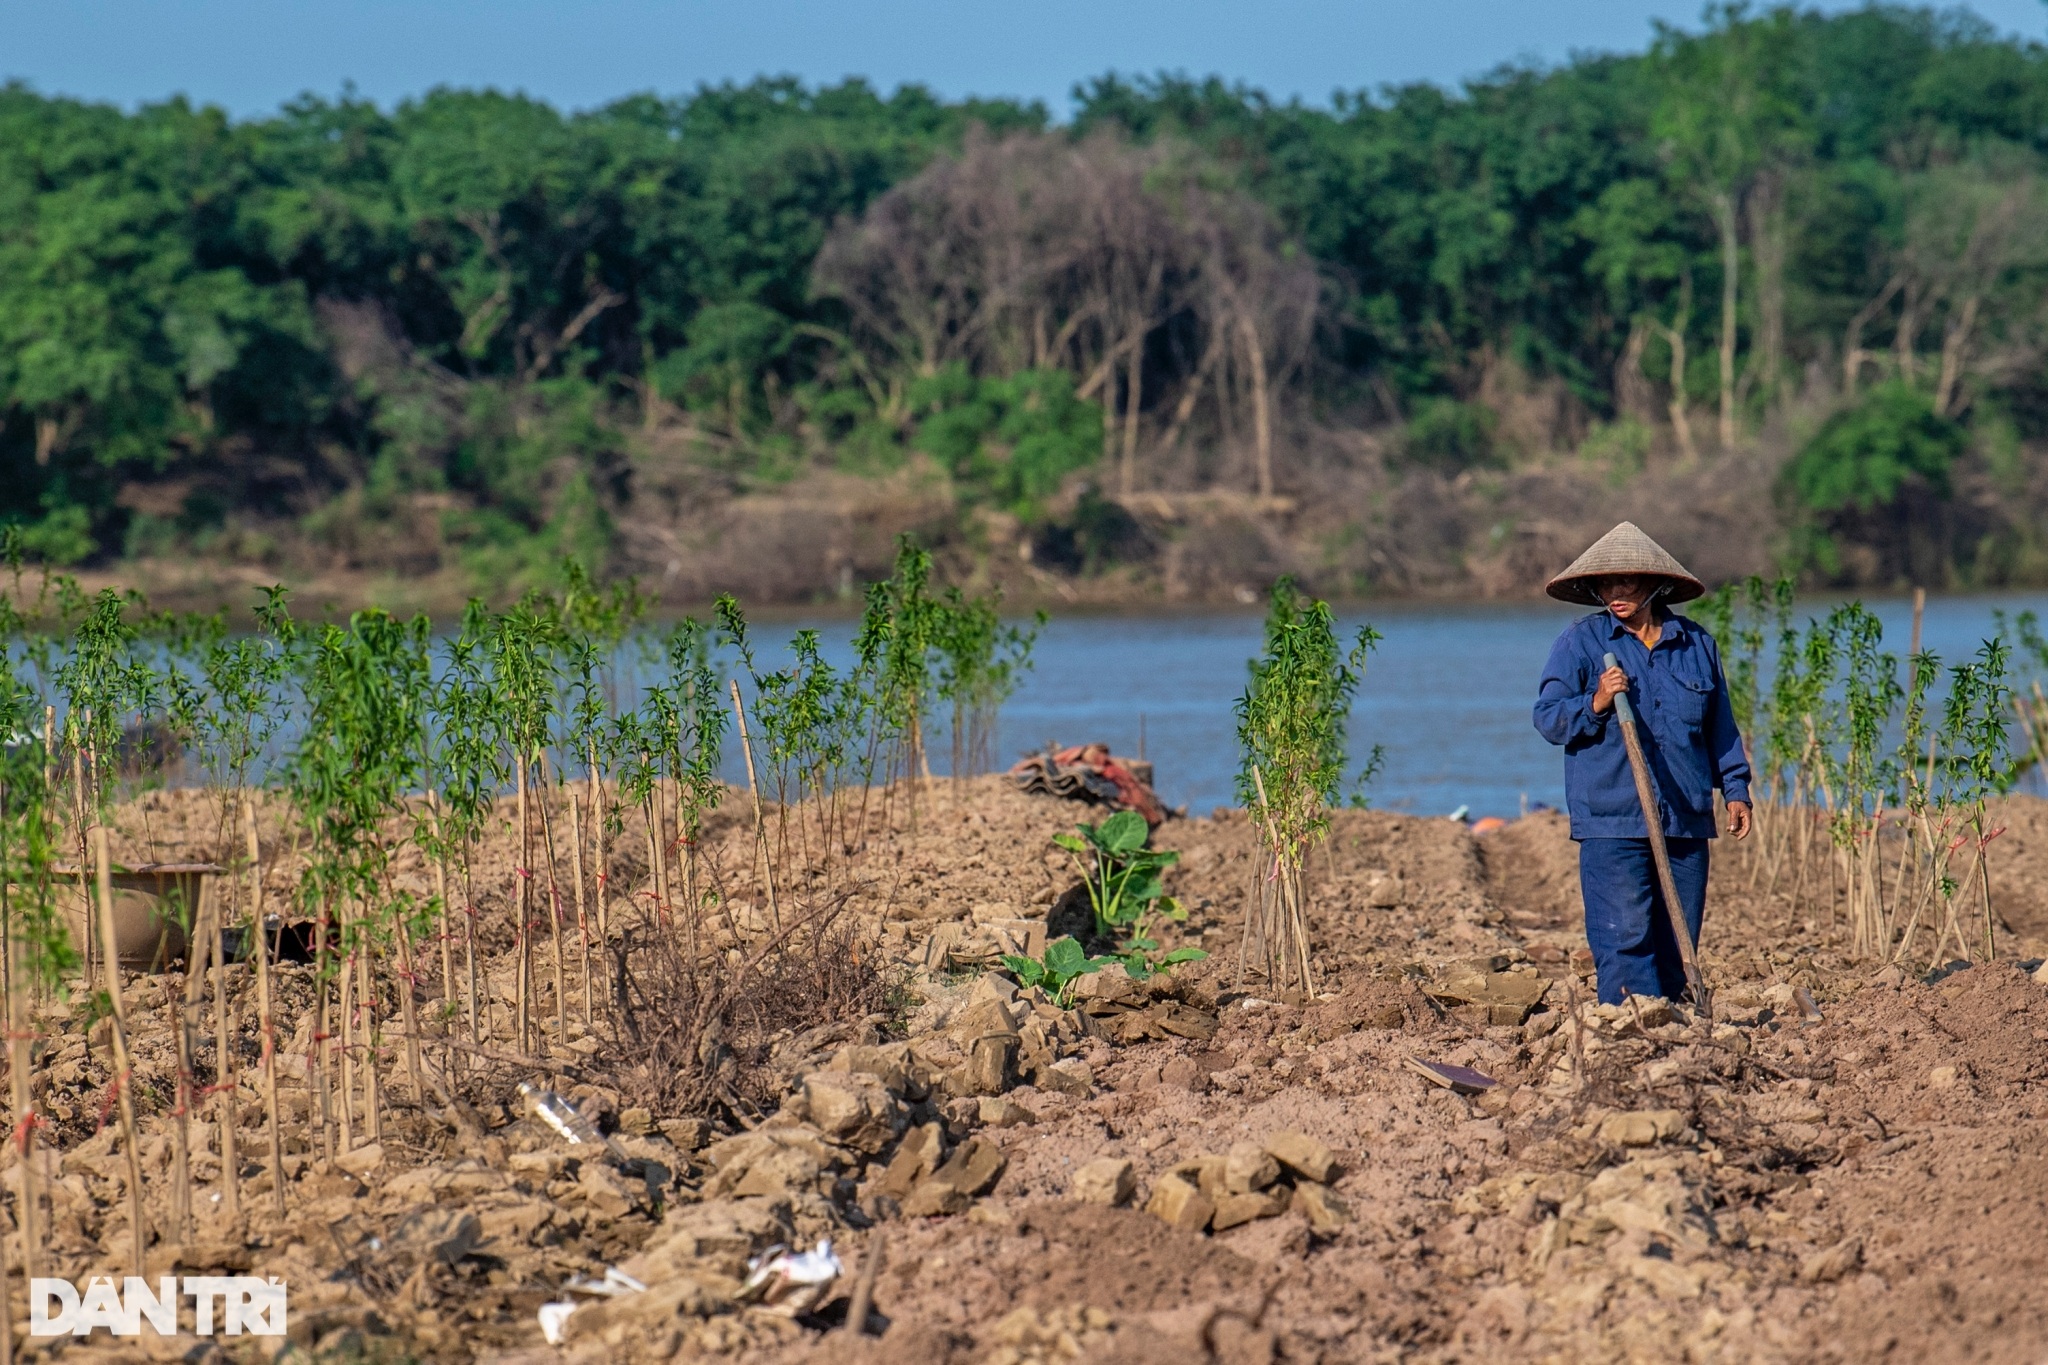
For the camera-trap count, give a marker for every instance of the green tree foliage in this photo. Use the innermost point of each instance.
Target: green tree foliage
(1864, 457)
(431, 334)
(1010, 439)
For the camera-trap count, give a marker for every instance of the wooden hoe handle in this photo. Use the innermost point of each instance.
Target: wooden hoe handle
(1653, 821)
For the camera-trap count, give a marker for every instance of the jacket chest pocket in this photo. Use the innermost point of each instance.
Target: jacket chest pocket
(1688, 699)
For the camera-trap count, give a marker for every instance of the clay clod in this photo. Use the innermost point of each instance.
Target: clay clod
(1180, 1204)
(1303, 1155)
(1105, 1180)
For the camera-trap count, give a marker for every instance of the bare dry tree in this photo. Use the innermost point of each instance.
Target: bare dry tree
(1168, 296)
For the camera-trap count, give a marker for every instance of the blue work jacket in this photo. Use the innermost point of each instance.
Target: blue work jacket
(1682, 714)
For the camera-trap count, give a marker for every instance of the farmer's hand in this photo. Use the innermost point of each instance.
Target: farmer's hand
(1738, 819)
(1613, 683)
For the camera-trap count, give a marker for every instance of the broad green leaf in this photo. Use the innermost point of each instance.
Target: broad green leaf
(1182, 955)
(1070, 843)
(1124, 832)
(1028, 970)
(1065, 956)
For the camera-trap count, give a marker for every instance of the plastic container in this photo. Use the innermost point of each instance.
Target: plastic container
(557, 1113)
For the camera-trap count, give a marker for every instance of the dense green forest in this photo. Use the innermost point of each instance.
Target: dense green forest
(1796, 256)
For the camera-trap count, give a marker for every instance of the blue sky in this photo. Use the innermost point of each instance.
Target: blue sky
(250, 55)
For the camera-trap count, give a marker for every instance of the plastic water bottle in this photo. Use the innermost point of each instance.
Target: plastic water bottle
(560, 1115)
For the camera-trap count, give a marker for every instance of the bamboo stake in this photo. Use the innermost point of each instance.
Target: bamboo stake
(408, 1015)
(476, 1032)
(82, 826)
(1984, 881)
(366, 1035)
(521, 876)
(582, 914)
(441, 890)
(863, 1286)
(319, 1074)
(754, 790)
(524, 878)
(547, 830)
(1252, 911)
(650, 816)
(604, 918)
(6, 1311)
(225, 1080)
(266, 1024)
(28, 1193)
(344, 985)
(184, 1017)
(124, 1075)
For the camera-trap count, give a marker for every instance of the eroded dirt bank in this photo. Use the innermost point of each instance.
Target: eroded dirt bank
(1871, 1183)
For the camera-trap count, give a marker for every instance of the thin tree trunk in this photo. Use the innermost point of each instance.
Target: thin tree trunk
(1767, 248)
(1955, 342)
(1681, 426)
(124, 1074)
(1909, 325)
(1724, 224)
(1134, 381)
(1853, 354)
(1262, 412)
(1631, 388)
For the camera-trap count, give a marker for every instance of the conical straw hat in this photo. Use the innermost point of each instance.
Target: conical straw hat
(1624, 550)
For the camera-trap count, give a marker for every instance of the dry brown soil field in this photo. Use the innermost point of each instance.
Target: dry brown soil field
(1863, 1179)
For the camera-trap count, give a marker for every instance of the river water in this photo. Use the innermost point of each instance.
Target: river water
(1447, 694)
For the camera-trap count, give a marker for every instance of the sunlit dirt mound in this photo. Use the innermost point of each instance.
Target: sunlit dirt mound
(1845, 1163)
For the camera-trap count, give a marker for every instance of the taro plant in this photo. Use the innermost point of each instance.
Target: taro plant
(1065, 962)
(1127, 891)
(1124, 879)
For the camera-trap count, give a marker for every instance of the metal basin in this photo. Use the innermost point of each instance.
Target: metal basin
(152, 904)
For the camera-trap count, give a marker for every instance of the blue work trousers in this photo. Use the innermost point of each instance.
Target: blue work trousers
(1627, 927)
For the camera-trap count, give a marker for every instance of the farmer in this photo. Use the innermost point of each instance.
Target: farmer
(1671, 670)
